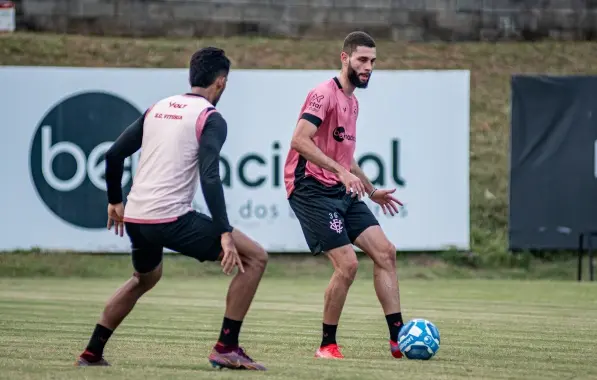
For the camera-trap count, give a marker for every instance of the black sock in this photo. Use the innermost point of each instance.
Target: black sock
(394, 325)
(98, 341)
(329, 334)
(229, 332)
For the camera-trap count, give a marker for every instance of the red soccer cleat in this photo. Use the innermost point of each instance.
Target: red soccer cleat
(232, 358)
(330, 351)
(87, 359)
(395, 349)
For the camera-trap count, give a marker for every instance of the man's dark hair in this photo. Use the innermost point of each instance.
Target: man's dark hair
(356, 39)
(207, 64)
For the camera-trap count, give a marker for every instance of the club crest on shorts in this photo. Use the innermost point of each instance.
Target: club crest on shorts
(335, 222)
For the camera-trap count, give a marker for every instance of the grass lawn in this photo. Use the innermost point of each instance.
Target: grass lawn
(489, 330)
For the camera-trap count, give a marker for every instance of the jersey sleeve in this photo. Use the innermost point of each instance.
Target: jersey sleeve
(212, 139)
(317, 106)
(126, 145)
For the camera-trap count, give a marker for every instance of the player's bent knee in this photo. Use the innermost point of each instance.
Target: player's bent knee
(351, 269)
(347, 269)
(146, 281)
(256, 257)
(251, 252)
(345, 263)
(388, 256)
(260, 258)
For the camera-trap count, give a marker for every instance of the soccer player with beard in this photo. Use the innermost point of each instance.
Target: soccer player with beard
(324, 186)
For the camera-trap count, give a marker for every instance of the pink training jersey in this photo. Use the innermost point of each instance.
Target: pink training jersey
(335, 115)
(167, 176)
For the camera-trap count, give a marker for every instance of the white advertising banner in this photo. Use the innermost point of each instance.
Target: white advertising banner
(7, 16)
(412, 135)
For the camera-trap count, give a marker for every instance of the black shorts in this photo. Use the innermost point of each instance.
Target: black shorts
(192, 235)
(328, 216)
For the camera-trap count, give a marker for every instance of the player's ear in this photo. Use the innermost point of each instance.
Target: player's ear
(344, 57)
(221, 81)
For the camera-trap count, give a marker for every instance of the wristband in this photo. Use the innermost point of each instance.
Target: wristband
(372, 192)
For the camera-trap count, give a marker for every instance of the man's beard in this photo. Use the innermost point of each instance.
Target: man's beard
(354, 79)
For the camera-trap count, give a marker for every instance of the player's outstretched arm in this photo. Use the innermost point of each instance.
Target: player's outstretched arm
(212, 139)
(126, 145)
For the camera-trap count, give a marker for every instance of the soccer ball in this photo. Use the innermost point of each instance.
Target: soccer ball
(419, 339)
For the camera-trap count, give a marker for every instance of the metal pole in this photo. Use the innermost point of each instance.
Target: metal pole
(590, 246)
(580, 254)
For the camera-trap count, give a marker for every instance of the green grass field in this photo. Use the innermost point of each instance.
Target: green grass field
(489, 330)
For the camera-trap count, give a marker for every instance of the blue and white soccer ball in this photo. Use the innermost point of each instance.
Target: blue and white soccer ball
(419, 339)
